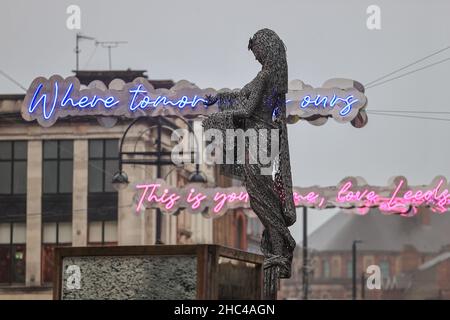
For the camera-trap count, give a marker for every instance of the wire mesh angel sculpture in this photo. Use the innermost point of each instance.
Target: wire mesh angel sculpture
(261, 105)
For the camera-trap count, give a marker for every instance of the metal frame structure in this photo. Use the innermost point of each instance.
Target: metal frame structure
(157, 158)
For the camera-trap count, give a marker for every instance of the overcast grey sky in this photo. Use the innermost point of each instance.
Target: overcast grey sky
(206, 43)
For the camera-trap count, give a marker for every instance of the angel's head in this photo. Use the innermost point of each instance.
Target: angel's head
(270, 51)
(266, 45)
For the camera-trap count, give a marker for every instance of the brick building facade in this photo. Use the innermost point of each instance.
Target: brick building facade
(56, 191)
(412, 255)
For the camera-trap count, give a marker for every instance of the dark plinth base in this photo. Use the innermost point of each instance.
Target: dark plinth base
(157, 272)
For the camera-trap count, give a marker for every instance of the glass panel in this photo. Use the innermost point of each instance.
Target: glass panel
(5, 180)
(112, 148)
(20, 177)
(66, 149)
(50, 149)
(50, 176)
(65, 176)
(20, 150)
(240, 232)
(95, 176)
(19, 233)
(385, 270)
(49, 231)
(65, 232)
(110, 231)
(95, 232)
(5, 150)
(18, 263)
(95, 148)
(111, 167)
(5, 263)
(5, 233)
(349, 269)
(325, 269)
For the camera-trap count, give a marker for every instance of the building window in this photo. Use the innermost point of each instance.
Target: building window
(12, 253)
(58, 166)
(13, 188)
(336, 267)
(13, 167)
(254, 227)
(325, 269)
(367, 261)
(103, 164)
(385, 269)
(240, 233)
(57, 180)
(13, 181)
(53, 234)
(102, 233)
(349, 268)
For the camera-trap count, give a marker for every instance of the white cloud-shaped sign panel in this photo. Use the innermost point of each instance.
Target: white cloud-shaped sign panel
(47, 100)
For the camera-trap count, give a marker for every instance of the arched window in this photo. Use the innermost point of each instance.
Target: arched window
(325, 269)
(336, 267)
(385, 269)
(349, 268)
(240, 233)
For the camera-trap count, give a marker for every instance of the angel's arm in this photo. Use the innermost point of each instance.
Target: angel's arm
(255, 91)
(227, 99)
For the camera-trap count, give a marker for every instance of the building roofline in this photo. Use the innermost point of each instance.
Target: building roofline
(12, 96)
(431, 263)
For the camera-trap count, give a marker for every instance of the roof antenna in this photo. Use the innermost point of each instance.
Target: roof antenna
(79, 37)
(110, 45)
(12, 80)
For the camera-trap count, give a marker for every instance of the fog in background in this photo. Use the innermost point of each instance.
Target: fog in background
(206, 42)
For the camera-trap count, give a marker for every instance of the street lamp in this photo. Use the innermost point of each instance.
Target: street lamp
(158, 158)
(305, 271)
(120, 180)
(355, 242)
(197, 176)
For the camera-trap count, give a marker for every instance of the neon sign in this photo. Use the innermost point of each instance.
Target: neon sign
(147, 101)
(48, 107)
(49, 99)
(325, 102)
(352, 193)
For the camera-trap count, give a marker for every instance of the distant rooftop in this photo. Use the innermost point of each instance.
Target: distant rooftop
(10, 104)
(381, 232)
(106, 76)
(431, 263)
